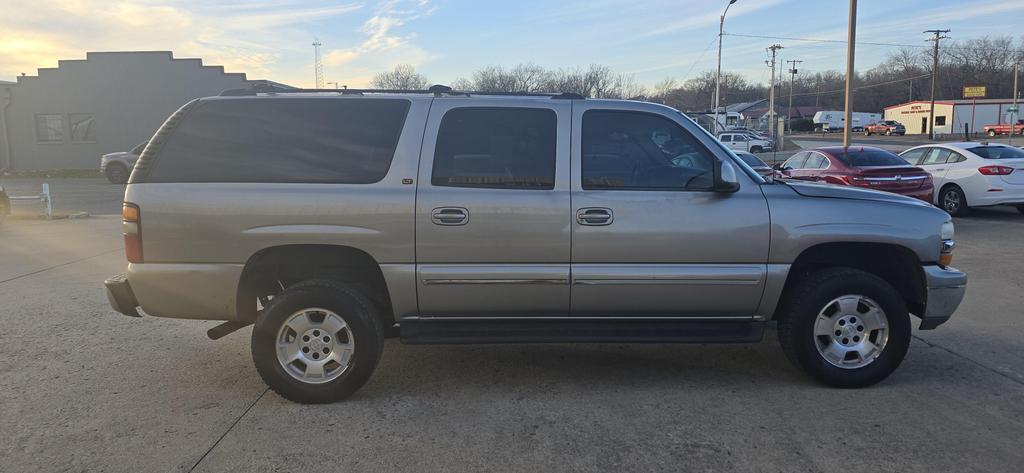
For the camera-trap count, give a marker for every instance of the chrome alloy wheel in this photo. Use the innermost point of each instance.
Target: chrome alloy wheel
(951, 201)
(315, 346)
(851, 331)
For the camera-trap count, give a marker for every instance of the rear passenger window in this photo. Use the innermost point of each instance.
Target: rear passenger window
(642, 151)
(936, 156)
(326, 140)
(498, 148)
(815, 161)
(914, 156)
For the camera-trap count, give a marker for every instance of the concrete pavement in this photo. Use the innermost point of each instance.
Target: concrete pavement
(85, 389)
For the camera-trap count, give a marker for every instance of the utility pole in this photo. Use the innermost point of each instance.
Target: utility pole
(718, 75)
(935, 73)
(318, 65)
(910, 98)
(851, 40)
(792, 78)
(1016, 113)
(773, 49)
(817, 81)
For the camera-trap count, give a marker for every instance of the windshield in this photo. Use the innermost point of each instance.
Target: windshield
(871, 157)
(997, 152)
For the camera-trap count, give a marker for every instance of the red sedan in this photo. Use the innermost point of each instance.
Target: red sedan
(861, 166)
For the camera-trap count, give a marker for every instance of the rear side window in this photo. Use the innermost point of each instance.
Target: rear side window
(346, 141)
(498, 148)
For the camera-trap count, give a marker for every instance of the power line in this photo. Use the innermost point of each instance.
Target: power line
(864, 86)
(864, 43)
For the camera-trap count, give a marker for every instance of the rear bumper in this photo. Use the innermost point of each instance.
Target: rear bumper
(120, 295)
(945, 290)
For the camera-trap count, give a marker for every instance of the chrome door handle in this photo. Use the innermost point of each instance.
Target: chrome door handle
(449, 216)
(594, 216)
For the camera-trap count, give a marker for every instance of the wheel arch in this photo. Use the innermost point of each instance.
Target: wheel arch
(282, 265)
(895, 264)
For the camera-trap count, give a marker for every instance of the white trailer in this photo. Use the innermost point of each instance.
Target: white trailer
(834, 120)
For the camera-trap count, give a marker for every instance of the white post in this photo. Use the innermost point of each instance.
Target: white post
(45, 197)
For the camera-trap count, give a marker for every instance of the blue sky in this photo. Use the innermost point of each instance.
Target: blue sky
(447, 39)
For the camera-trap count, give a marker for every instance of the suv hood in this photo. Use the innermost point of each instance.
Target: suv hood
(830, 191)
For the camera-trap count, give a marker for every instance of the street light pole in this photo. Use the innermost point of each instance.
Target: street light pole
(1016, 113)
(851, 39)
(718, 75)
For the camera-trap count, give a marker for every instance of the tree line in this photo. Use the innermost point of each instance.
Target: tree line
(904, 75)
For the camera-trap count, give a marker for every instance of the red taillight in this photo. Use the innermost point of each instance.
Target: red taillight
(995, 170)
(856, 181)
(131, 227)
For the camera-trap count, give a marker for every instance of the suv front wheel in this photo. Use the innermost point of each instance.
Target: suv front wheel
(845, 327)
(317, 342)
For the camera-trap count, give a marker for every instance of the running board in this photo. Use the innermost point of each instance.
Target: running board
(467, 331)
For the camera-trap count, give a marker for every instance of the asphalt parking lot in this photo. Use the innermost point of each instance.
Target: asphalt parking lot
(85, 389)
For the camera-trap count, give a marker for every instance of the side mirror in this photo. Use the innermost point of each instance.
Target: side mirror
(725, 177)
(779, 167)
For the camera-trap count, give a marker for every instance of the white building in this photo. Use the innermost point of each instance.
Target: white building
(950, 115)
(66, 117)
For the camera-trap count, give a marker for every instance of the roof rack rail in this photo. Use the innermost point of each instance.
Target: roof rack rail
(437, 89)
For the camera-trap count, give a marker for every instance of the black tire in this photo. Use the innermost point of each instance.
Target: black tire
(812, 294)
(117, 173)
(953, 201)
(756, 149)
(358, 312)
(991, 133)
(888, 132)
(1020, 208)
(867, 133)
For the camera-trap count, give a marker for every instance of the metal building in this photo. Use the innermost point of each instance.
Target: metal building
(950, 115)
(66, 117)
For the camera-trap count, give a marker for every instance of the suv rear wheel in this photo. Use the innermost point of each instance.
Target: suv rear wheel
(317, 342)
(845, 327)
(756, 149)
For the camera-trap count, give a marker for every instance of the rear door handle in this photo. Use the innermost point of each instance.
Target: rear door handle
(450, 216)
(594, 216)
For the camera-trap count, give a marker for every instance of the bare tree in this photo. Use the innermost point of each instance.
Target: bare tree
(402, 77)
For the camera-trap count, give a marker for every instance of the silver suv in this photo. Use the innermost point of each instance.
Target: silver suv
(333, 219)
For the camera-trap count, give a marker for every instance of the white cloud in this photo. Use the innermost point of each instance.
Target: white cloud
(384, 43)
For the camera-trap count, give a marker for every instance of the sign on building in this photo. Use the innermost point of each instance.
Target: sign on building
(974, 92)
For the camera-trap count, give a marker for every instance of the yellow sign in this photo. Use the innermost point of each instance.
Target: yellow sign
(974, 92)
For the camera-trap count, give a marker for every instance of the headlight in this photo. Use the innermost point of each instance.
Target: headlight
(947, 231)
(947, 244)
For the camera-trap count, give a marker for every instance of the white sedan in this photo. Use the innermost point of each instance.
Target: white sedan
(972, 174)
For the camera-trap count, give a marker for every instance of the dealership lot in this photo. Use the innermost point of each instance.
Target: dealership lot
(86, 389)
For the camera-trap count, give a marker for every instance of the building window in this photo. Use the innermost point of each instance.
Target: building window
(940, 120)
(50, 128)
(83, 127)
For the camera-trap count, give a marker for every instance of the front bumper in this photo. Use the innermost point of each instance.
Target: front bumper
(120, 295)
(945, 290)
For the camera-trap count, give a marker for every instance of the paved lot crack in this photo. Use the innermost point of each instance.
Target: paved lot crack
(970, 360)
(230, 427)
(61, 265)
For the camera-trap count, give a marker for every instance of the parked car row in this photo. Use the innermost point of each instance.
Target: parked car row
(953, 176)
